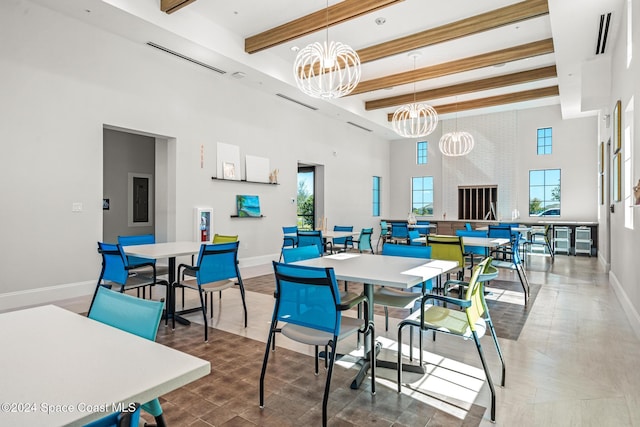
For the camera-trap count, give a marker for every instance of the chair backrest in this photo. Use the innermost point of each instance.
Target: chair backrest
(217, 261)
(342, 240)
(414, 234)
(421, 251)
(467, 226)
(422, 227)
(447, 247)
(138, 316)
(384, 228)
(290, 238)
(307, 296)
(114, 263)
(400, 230)
(221, 238)
(473, 233)
(300, 253)
(311, 237)
(141, 239)
(364, 241)
(502, 231)
(475, 293)
(290, 230)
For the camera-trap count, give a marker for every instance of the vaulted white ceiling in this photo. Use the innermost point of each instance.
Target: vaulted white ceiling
(213, 32)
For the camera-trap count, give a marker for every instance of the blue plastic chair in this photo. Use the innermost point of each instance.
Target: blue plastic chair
(508, 256)
(308, 302)
(422, 227)
(399, 231)
(364, 240)
(345, 242)
(414, 234)
(290, 241)
(134, 315)
(384, 233)
(116, 271)
(119, 419)
(300, 253)
(314, 237)
(216, 270)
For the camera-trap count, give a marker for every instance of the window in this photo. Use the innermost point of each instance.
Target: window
(544, 141)
(306, 202)
(544, 192)
(422, 195)
(376, 196)
(422, 153)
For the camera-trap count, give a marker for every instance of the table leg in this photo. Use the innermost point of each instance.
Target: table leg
(171, 295)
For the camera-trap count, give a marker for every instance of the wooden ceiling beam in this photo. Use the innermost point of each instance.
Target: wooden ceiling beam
(515, 53)
(462, 88)
(494, 101)
(170, 6)
(336, 14)
(476, 24)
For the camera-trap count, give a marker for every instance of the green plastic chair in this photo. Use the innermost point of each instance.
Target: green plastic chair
(470, 322)
(221, 238)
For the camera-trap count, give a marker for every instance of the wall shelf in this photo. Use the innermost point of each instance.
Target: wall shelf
(254, 217)
(243, 181)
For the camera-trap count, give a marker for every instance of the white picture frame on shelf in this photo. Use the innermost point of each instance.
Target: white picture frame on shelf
(228, 170)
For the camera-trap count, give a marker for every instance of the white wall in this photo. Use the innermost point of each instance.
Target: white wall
(504, 152)
(625, 242)
(62, 81)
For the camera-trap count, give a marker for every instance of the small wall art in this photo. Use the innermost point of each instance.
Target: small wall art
(248, 206)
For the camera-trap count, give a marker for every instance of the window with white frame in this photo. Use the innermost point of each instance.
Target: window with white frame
(544, 192)
(422, 195)
(422, 152)
(376, 196)
(544, 141)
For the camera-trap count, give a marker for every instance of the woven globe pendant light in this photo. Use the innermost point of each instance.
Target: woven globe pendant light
(327, 70)
(456, 143)
(414, 120)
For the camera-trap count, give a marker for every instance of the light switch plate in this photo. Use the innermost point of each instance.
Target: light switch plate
(76, 207)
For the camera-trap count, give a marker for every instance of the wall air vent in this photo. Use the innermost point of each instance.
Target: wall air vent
(360, 127)
(603, 33)
(297, 102)
(179, 55)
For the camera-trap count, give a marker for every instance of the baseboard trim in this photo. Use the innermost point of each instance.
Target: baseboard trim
(258, 260)
(46, 295)
(627, 306)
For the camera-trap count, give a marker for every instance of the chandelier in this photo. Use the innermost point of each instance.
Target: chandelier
(456, 143)
(414, 120)
(327, 70)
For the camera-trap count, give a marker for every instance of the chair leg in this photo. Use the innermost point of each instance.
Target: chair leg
(327, 386)
(203, 304)
(488, 375)
(244, 303)
(495, 341)
(264, 363)
(386, 318)
(317, 357)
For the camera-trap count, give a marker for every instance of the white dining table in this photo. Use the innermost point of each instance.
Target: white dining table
(60, 368)
(486, 242)
(170, 251)
(384, 270)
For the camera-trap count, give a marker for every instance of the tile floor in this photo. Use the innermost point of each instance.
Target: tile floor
(575, 363)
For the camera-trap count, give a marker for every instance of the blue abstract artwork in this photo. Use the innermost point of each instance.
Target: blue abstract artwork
(248, 206)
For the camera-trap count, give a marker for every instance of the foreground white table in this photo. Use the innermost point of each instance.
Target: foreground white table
(383, 270)
(61, 368)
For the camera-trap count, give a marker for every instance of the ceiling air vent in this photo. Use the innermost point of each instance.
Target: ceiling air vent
(296, 101)
(179, 55)
(360, 127)
(603, 33)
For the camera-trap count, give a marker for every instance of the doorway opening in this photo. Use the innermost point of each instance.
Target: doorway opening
(306, 198)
